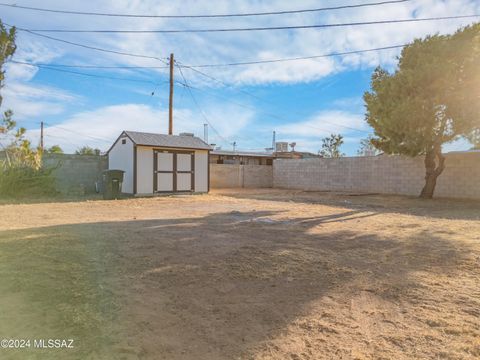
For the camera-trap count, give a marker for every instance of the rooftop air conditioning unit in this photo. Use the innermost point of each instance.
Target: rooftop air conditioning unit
(281, 146)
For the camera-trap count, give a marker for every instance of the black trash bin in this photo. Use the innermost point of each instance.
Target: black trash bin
(112, 184)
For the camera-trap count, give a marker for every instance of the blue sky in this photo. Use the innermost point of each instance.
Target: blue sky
(303, 101)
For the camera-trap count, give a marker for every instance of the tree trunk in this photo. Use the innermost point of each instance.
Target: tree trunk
(432, 171)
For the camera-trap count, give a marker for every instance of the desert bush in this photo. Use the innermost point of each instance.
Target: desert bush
(26, 181)
(21, 170)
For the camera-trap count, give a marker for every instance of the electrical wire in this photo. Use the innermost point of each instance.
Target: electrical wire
(268, 113)
(199, 108)
(179, 67)
(204, 65)
(83, 74)
(266, 101)
(80, 66)
(77, 133)
(253, 62)
(310, 57)
(268, 28)
(88, 46)
(282, 12)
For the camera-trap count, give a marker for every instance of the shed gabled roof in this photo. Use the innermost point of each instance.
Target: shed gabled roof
(170, 141)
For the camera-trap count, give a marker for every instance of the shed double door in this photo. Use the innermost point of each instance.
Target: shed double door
(173, 171)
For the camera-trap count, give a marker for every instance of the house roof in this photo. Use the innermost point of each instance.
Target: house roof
(170, 141)
(241, 153)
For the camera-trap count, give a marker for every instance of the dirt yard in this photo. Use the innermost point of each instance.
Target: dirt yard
(243, 274)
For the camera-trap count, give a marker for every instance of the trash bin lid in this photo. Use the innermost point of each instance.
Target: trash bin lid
(113, 174)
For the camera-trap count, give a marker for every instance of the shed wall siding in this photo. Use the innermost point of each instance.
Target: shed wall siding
(201, 171)
(120, 157)
(144, 170)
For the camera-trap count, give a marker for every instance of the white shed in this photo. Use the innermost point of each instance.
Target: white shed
(158, 163)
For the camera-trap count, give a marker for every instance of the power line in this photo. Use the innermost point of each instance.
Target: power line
(188, 87)
(221, 82)
(255, 62)
(210, 77)
(269, 28)
(88, 46)
(82, 74)
(80, 66)
(52, 126)
(282, 12)
(266, 112)
(265, 101)
(199, 108)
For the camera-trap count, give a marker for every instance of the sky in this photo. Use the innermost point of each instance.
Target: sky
(302, 101)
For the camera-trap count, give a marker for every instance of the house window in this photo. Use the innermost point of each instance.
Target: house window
(124, 141)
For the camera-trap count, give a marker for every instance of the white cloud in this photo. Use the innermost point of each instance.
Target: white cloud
(29, 51)
(240, 46)
(308, 134)
(34, 102)
(100, 127)
(33, 110)
(31, 100)
(324, 124)
(349, 102)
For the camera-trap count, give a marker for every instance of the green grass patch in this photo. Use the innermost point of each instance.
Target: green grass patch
(55, 284)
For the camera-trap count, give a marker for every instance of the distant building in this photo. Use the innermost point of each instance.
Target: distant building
(295, 155)
(241, 157)
(219, 156)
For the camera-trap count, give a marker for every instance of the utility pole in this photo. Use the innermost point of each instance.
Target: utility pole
(205, 133)
(170, 104)
(234, 145)
(273, 141)
(41, 135)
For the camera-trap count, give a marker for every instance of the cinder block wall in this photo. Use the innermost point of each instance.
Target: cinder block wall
(235, 176)
(380, 174)
(76, 174)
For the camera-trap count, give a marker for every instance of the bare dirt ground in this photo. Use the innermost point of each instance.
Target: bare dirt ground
(243, 274)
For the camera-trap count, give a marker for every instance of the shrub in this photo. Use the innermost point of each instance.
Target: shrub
(27, 182)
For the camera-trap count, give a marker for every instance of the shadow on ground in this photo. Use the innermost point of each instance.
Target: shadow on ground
(216, 287)
(441, 208)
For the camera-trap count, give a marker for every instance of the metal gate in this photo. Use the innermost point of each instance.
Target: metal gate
(173, 171)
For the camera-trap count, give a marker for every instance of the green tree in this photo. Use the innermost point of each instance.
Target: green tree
(331, 146)
(367, 148)
(21, 173)
(7, 49)
(54, 149)
(432, 98)
(18, 149)
(87, 150)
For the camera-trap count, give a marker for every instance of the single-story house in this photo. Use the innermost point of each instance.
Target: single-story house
(240, 157)
(158, 163)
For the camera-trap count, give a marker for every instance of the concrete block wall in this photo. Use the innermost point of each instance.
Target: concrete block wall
(235, 176)
(380, 174)
(257, 176)
(76, 174)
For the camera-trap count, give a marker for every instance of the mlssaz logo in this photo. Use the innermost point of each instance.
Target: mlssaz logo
(53, 343)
